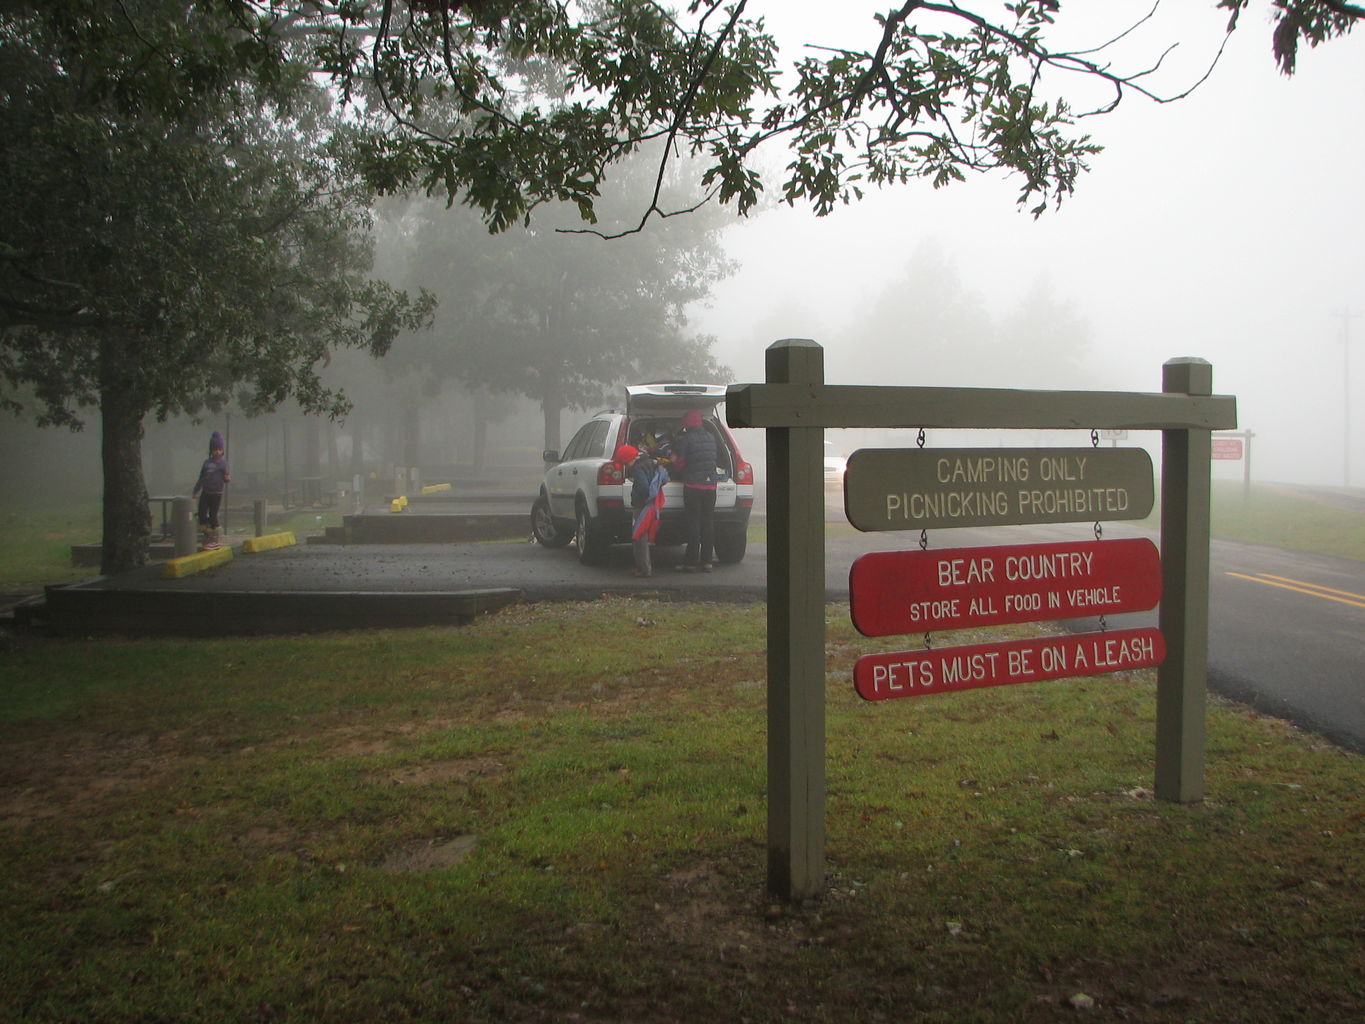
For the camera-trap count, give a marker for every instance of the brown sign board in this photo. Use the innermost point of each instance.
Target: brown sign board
(945, 669)
(894, 592)
(942, 488)
(1226, 448)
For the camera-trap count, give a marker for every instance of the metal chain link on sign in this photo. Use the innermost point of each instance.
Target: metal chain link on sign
(1099, 528)
(924, 542)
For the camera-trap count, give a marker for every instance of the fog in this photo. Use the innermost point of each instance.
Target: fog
(1225, 226)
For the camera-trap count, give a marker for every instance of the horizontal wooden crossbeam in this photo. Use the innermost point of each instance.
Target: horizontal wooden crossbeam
(837, 405)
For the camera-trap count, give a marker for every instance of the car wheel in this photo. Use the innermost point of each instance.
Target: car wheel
(543, 527)
(591, 547)
(730, 544)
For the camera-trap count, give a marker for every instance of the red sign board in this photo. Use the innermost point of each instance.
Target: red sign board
(1227, 448)
(919, 673)
(954, 588)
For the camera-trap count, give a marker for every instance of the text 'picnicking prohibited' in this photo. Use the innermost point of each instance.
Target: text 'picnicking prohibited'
(928, 489)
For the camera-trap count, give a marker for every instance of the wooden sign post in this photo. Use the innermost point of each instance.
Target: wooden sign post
(1182, 679)
(796, 638)
(795, 406)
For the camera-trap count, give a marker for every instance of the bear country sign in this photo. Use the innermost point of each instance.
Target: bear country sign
(894, 592)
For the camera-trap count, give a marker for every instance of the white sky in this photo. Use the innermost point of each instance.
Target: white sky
(1226, 226)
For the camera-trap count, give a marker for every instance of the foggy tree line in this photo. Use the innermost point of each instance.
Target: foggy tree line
(553, 317)
(191, 186)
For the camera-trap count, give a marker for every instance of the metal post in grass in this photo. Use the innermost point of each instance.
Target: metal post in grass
(1182, 680)
(796, 637)
(182, 527)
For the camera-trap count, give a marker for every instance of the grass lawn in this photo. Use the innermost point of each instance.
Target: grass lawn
(1289, 517)
(36, 542)
(558, 814)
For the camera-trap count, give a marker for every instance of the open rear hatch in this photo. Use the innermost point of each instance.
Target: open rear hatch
(655, 413)
(674, 397)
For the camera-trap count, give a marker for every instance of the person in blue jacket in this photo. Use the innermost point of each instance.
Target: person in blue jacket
(214, 476)
(694, 450)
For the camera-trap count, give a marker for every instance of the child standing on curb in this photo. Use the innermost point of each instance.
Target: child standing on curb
(213, 480)
(647, 479)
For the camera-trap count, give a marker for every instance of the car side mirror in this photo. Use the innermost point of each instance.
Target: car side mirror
(550, 455)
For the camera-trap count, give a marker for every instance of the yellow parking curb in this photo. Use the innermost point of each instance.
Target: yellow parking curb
(188, 565)
(268, 542)
(435, 488)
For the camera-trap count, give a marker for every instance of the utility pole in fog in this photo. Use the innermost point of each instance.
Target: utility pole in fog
(1346, 318)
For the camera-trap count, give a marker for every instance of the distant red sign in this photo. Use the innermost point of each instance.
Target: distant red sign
(955, 588)
(920, 673)
(1227, 448)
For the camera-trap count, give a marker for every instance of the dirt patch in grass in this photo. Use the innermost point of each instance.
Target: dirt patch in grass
(430, 854)
(727, 940)
(445, 771)
(79, 773)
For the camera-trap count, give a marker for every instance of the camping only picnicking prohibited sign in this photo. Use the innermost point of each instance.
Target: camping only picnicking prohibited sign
(929, 489)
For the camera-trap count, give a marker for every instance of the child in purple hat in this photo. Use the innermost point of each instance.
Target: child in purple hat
(213, 480)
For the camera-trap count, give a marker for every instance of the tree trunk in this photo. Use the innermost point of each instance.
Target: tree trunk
(354, 422)
(333, 458)
(480, 431)
(551, 397)
(551, 406)
(312, 447)
(412, 434)
(127, 519)
(237, 458)
(284, 456)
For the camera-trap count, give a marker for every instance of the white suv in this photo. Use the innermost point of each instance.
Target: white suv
(585, 496)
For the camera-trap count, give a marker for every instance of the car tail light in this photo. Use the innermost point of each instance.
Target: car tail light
(610, 473)
(744, 473)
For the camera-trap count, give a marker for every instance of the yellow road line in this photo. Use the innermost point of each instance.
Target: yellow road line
(1315, 586)
(1272, 582)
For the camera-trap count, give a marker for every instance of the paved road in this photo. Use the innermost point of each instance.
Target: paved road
(1288, 636)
